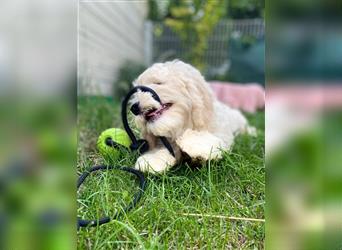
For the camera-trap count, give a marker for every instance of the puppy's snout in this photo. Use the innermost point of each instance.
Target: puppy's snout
(135, 109)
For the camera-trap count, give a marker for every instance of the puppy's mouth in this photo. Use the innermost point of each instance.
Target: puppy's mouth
(153, 114)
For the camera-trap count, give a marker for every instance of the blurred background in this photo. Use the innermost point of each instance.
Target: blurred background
(303, 125)
(118, 40)
(38, 80)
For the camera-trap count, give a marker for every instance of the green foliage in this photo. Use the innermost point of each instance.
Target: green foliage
(126, 75)
(239, 9)
(236, 9)
(193, 21)
(153, 11)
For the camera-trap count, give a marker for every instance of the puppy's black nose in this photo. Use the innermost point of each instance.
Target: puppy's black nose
(136, 109)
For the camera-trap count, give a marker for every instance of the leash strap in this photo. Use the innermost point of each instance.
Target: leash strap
(141, 145)
(136, 198)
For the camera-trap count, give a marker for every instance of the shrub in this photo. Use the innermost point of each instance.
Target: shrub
(128, 72)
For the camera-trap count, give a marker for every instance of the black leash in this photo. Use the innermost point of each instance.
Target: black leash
(136, 198)
(141, 145)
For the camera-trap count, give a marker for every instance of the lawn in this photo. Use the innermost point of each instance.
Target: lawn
(231, 187)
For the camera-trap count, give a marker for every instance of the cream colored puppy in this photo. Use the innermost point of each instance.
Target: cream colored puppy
(190, 117)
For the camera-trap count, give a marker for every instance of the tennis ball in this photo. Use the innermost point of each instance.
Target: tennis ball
(117, 135)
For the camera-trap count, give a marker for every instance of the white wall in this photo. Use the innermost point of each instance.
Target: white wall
(110, 32)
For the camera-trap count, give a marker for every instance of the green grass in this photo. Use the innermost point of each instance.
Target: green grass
(233, 186)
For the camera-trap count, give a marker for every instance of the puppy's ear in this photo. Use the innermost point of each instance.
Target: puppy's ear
(200, 94)
(202, 103)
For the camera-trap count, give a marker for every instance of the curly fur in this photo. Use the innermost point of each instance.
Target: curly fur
(196, 124)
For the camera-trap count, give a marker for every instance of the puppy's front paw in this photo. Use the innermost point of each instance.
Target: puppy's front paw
(155, 161)
(201, 145)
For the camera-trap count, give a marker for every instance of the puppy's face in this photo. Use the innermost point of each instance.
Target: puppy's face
(170, 117)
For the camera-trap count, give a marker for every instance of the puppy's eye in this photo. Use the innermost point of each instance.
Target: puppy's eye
(158, 83)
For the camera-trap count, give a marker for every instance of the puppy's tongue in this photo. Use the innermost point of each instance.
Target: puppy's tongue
(155, 113)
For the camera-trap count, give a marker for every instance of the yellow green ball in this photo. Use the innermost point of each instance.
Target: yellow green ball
(117, 135)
